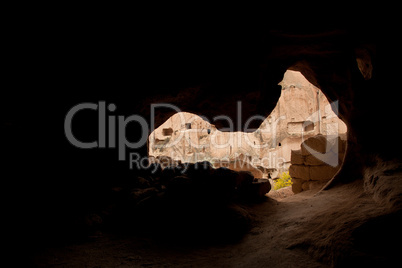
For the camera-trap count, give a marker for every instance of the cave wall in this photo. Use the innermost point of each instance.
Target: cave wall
(330, 60)
(185, 67)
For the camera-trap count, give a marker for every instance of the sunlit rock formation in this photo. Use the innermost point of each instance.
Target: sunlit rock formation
(302, 111)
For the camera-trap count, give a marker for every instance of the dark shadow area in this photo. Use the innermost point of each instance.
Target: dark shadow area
(191, 203)
(367, 237)
(59, 194)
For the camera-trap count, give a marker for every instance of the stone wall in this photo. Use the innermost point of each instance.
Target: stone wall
(318, 160)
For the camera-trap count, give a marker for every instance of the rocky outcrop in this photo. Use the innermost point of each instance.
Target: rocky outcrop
(318, 160)
(384, 181)
(302, 111)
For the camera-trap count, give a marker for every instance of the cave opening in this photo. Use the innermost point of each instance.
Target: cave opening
(151, 217)
(302, 112)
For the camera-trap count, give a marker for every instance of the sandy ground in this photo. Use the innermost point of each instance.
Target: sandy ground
(287, 232)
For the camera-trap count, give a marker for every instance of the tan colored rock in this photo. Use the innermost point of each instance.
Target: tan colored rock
(299, 171)
(311, 185)
(322, 173)
(259, 189)
(296, 157)
(312, 160)
(297, 185)
(312, 168)
(316, 185)
(281, 193)
(302, 111)
(316, 144)
(329, 158)
(306, 185)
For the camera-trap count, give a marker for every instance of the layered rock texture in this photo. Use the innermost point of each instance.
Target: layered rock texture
(302, 111)
(318, 160)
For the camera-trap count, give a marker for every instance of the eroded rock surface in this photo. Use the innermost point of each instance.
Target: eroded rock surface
(317, 162)
(302, 111)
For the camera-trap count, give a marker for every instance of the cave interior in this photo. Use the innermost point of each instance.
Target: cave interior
(74, 198)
